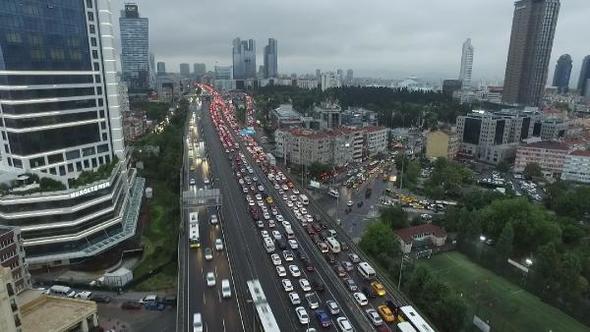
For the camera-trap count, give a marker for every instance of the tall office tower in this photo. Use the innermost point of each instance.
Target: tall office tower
(134, 47)
(349, 76)
(199, 69)
(185, 69)
(161, 67)
(563, 70)
(584, 77)
(60, 107)
(244, 59)
(271, 59)
(531, 41)
(466, 64)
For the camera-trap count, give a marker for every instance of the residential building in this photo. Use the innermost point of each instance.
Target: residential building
(199, 69)
(451, 87)
(561, 76)
(185, 70)
(271, 59)
(12, 256)
(309, 84)
(72, 117)
(161, 68)
(285, 116)
(466, 64)
(549, 155)
(577, 167)
(330, 114)
(421, 237)
(10, 314)
(584, 77)
(329, 80)
(531, 41)
(41, 312)
(244, 59)
(442, 144)
(134, 46)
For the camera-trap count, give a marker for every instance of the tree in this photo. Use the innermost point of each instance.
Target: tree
(379, 239)
(505, 242)
(533, 170)
(395, 217)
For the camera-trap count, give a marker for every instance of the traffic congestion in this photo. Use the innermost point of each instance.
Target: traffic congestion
(293, 232)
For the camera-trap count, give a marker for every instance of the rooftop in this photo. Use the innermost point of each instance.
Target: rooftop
(549, 145)
(407, 234)
(52, 313)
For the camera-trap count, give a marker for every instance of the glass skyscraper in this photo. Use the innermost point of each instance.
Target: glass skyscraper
(135, 59)
(59, 103)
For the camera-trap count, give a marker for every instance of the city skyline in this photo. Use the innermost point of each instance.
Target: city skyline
(400, 43)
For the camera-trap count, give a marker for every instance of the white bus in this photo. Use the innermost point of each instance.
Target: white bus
(404, 327)
(194, 238)
(412, 316)
(366, 270)
(304, 199)
(333, 244)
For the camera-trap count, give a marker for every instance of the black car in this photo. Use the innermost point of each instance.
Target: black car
(368, 293)
(317, 285)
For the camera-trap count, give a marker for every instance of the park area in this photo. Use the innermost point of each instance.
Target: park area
(506, 306)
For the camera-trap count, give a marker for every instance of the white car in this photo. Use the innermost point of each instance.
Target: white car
(295, 299)
(210, 277)
(343, 324)
(294, 270)
(276, 259)
(281, 271)
(218, 245)
(302, 315)
(288, 255)
(287, 285)
(213, 220)
(305, 285)
(276, 235)
(360, 298)
(293, 244)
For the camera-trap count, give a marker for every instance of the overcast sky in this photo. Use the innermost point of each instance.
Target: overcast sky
(379, 38)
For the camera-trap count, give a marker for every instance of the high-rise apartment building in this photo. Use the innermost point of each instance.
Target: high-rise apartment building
(135, 62)
(185, 69)
(584, 77)
(244, 59)
(199, 69)
(271, 59)
(561, 76)
(61, 117)
(466, 64)
(161, 67)
(531, 41)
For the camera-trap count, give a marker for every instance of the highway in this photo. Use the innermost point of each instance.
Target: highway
(244, 241)
(218, 314)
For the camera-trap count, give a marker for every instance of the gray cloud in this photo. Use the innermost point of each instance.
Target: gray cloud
(380, 38)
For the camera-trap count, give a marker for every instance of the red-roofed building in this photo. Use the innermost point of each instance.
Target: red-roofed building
(549, 155)
(577, 167)
(421, 233)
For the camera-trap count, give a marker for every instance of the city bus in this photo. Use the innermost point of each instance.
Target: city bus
(412, 316)
(366, 270)
(333, 244)
(194, 238)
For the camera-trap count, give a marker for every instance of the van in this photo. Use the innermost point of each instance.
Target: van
(61, 291)
(225, 289)
(334, 193)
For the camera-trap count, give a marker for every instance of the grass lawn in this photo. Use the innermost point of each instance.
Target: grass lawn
(505, 305)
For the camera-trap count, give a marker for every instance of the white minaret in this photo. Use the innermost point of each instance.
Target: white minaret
(466, 63)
